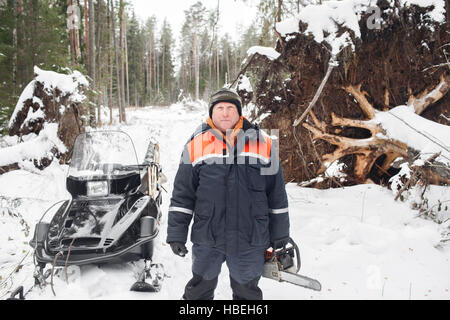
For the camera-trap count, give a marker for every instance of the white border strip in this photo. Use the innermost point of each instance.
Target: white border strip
(209, 156)
(279, 211)
(255, 155)
(180, 209)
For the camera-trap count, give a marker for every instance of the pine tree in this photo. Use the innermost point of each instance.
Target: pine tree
(136, 49)
(167, 67)
(31, 33)
(150, 53)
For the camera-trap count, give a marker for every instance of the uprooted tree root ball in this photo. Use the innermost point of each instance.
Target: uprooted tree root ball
(404, 62)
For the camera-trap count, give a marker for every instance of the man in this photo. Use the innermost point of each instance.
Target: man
(226, 181)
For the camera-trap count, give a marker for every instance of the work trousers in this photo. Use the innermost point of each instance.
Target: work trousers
(245, 271)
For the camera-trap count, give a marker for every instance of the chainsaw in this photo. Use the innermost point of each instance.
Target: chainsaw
(280, 266)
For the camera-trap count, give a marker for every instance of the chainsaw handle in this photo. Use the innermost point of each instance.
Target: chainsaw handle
(297, 253)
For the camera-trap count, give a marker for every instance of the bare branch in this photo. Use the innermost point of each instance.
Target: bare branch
(426, 99)
(331, 65)
(366, 107)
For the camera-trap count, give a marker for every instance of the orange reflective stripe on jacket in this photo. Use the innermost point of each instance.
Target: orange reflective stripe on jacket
(260, 148)
(204, 146)
(207, 145)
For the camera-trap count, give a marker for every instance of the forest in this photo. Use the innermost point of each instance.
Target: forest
(130, 62)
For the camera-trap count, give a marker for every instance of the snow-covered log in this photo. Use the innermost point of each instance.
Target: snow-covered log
(46, 120)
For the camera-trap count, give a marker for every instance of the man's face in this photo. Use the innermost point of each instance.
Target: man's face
(225, 115)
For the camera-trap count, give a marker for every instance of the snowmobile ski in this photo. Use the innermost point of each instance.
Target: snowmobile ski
(280, 266)
(153, 271)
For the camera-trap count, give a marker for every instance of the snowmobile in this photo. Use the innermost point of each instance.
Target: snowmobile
(114, 212)
(284, 264)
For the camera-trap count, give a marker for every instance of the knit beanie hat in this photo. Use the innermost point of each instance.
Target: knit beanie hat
(225, 95)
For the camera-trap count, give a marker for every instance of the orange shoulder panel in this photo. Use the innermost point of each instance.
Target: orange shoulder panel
(205, 145)
(261, 147)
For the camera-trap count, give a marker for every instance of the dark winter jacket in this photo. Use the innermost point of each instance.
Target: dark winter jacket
(235, 204)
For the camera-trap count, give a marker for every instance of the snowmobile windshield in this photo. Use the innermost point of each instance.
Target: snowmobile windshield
(103, 155)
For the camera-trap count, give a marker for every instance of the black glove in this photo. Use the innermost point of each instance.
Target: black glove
(277, 244)
(178, 248)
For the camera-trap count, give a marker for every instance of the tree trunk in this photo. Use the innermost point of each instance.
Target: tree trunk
(116, 56)
(150, 73)
(158, 74)
(121, 61)
(71, 34)
(228, 63)
(163, 65)
(15, 49)
(110, 62)
(35, 14)
(155, 79)
(77, 35)
(99, 65)
(183, 74)
(196, 67)
(91, 66)
(86, 31)
(210, 63)
(217, 65)
(279, 8)
(22, 66)
(126, 62)
(74, 37)
(136, 103)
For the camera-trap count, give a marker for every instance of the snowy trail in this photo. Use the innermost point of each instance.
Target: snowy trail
(357, 241)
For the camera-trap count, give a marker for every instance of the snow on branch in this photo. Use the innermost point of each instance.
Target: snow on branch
(325, 20)
(270, 53)
(37, 148)
(46, 119)
(424, 100)
(70, 84)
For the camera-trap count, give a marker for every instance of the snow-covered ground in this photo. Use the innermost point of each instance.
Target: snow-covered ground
(358, 241)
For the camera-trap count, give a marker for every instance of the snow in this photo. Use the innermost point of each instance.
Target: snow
(424, 135)
(335, 169)
(358, 241)
(270, 53)
(244, 84)
(438, 12)
(33, 116)
(66, 83)
(395, 181)
(26, 94)
(37, 148)
(323, 20)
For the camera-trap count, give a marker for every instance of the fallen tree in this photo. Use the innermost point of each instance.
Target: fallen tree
(46, 120)
(368, 99)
